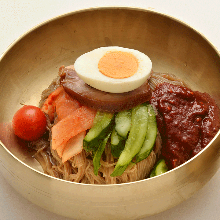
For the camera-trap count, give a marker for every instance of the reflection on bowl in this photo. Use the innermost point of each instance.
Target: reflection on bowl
(32, 62)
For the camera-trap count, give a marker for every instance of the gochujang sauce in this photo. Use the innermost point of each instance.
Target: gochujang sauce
(187, 121)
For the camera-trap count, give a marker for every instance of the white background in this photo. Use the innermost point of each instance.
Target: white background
(17, 17)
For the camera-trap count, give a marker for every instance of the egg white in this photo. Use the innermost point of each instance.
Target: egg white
(86, 66)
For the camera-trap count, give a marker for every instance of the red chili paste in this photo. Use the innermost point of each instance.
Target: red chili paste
(187, 121)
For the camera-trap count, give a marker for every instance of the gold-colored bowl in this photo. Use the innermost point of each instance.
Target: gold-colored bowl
(30, 64)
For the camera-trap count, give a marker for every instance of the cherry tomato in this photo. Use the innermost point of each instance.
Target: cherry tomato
(29, 123)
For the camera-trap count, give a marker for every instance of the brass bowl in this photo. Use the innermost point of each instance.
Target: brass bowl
(30, 64)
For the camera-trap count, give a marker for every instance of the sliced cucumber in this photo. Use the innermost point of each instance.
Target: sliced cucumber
(98, 154)
(139, 121)
(117, 144)
(150, 136)
(98, 117)
(159, 168)
(99, 131)
(123, 123)
(115, 138)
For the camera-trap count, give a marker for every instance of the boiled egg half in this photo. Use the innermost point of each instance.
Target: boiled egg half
(113, 69)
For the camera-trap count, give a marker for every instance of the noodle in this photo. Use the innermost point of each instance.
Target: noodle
(79, 162)
(107, 167)
(158, 78)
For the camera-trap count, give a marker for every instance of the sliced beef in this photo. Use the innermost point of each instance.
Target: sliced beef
(103, 101)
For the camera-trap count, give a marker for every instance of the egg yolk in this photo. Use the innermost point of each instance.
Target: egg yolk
(118, 64)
